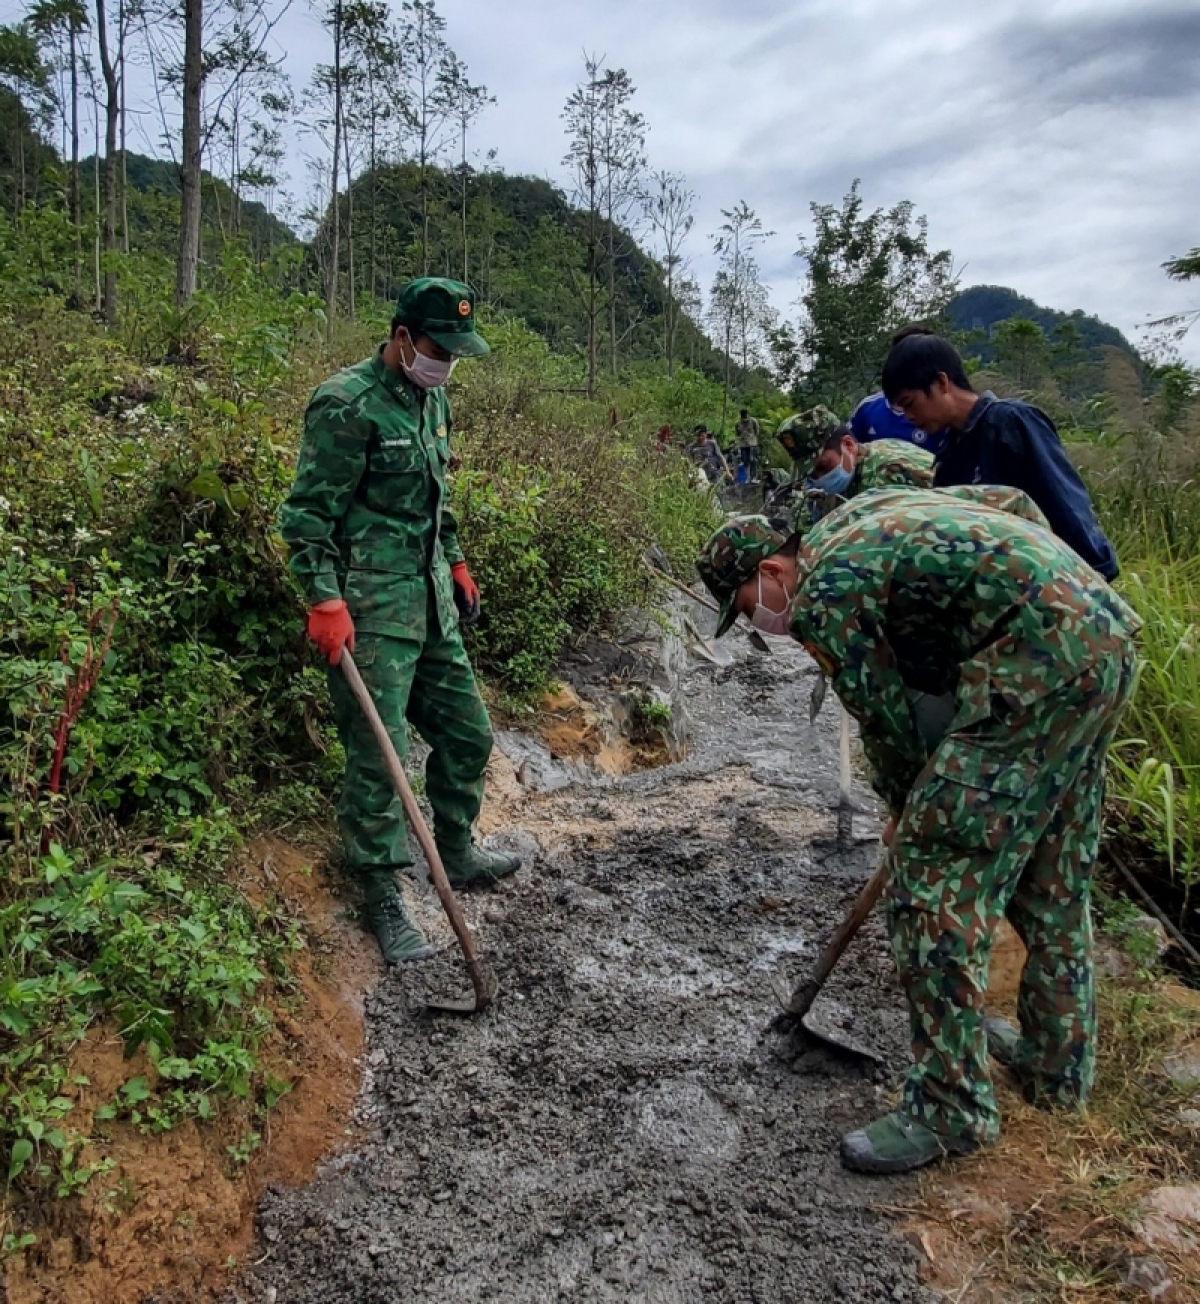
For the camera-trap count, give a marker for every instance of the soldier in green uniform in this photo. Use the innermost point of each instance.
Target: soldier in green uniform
(902, 595)
(375, 548)
(844, 468)
(803, 434)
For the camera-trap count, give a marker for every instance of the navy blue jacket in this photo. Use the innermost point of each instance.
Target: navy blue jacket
(1008, 442)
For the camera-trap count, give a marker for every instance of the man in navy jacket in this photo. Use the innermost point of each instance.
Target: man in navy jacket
(994, 441)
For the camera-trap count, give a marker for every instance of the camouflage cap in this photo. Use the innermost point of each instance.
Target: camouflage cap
(803, 434)
(445, 311)
(731, 557)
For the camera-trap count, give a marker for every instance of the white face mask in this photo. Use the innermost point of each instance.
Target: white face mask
(426, 372)
(768, 621)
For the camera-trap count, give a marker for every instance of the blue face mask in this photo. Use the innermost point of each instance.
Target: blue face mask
(834, 482)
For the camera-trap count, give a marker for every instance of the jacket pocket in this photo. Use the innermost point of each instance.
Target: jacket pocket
(382, 602)
(970, 799)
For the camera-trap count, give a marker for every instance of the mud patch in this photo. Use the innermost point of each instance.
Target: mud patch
(621, 1125)
(173, 1215)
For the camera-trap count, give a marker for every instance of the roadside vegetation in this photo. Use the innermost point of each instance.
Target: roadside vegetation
(158, 705)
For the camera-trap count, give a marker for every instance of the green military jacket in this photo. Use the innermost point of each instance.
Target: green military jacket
(886, 462)
(366, 518)
(905, 591)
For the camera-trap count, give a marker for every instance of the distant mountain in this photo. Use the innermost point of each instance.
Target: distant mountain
(527, 254)
(982, 307)
(154, 191)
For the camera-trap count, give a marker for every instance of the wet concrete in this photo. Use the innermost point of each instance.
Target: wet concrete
(621, 1126)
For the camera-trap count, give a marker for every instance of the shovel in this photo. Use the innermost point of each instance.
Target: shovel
(797, 1007)
(483, 980)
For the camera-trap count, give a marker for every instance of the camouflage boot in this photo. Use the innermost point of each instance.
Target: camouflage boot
(897, 1144)
(384, 913)
(472, 865)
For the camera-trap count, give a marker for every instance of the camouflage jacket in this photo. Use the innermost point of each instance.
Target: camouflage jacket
(882, 464)
(906, 590)
(891, 462)
(366, 518)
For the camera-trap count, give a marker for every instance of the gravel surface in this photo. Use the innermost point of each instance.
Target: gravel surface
(623, 1125)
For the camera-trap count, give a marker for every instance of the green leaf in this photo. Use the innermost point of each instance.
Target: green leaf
(135, 1090)
(105, 1113)
(22, 1153)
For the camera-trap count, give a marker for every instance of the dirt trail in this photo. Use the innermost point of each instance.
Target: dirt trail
(621, 1127)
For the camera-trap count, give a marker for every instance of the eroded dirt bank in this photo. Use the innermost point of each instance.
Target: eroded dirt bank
(620, 1126)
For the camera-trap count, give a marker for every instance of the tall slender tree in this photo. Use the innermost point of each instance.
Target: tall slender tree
(112, 108)
(428, 59)
(466, 103)
(736, 290)
(622, 160)
(669, 205)
(584, 115)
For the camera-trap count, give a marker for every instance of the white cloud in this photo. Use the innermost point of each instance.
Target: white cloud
(1049, 142)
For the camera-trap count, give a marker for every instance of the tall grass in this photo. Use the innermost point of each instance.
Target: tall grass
(1150, 503)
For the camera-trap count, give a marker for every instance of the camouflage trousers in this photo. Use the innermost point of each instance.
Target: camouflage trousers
(1004, 820)
(429, 683)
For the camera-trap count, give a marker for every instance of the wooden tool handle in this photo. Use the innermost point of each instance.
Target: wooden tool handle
(807, 992)
(437, 871)
(853, 921)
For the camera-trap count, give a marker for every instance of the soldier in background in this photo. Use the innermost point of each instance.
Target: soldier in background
(747, 434)
(907, 594)
(375, 548)
(845, 468)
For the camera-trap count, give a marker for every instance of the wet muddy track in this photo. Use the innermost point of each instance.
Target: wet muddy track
(621, 1125)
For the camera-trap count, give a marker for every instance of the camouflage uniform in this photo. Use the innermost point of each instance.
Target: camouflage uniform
(881, 464)
(904, 592)
(803, 435)
(891, 462)
(367, 520)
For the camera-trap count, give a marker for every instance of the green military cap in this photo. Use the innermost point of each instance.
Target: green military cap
(445, 311)
(731, 557)
(803, 435)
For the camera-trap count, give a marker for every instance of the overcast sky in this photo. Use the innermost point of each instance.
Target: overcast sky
(1052, 144)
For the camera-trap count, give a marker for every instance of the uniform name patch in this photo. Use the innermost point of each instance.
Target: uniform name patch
(395, 443)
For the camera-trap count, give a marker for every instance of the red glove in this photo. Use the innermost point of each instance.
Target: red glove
(466, 593)
(330, 628)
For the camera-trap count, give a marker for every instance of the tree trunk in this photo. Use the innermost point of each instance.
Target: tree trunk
(98, 298)
(350, 304)
(76, 202)
(374, 192)
(466, 259)
(332, 271)
(188, 265)
(122, 33)
(111, 113)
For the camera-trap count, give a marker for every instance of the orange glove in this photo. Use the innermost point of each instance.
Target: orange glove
(466, 593)
(330, 628)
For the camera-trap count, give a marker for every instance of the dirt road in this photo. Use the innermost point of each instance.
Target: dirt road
(621, 1126)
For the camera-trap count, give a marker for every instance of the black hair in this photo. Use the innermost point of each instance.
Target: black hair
(745, 412)
(915, 328)
(834, 438)
(699, 430)
(413, 328)
(916, 363)
(791, 548)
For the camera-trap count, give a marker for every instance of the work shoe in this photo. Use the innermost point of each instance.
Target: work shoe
(399, 938)
(896, 1144)
(475, 866)
(1003, 1038)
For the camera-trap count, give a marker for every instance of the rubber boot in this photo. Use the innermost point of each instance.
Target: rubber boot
(385, 914)
(1002, 1041)
(896, 1144)
(475, 866)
